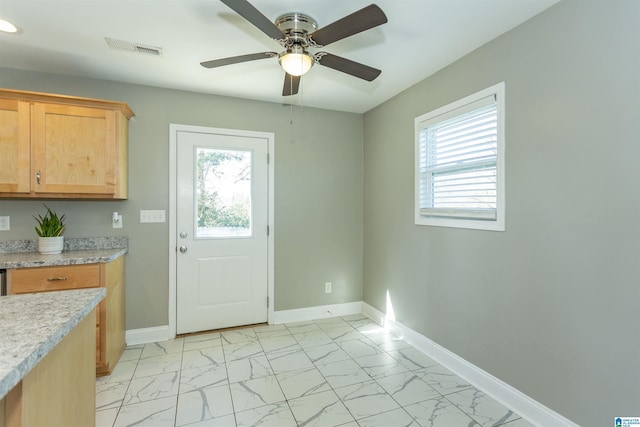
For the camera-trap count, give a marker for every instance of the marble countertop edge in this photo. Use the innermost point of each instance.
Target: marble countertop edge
(82, 301)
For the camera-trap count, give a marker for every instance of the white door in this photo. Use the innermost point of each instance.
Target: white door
(221, 221)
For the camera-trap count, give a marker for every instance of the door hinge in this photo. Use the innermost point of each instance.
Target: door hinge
(267, 302)
(268, 158)
(268, 230)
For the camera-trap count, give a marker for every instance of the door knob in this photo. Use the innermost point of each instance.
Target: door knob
(183, 249)
(183, 234)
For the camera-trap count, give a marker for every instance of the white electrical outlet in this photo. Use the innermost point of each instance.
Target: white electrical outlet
(5, 223)
(116, 220)
(152, 216)
(327, 288)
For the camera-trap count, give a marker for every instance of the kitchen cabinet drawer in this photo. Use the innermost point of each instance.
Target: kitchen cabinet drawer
(43, 279)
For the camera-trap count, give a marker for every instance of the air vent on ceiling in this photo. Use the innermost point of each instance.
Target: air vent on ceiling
(133, 47)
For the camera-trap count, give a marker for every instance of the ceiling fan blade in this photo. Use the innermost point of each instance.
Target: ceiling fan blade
(348, 66)
(364, 19)
(236, 59)
(291, 85)
(254, 16)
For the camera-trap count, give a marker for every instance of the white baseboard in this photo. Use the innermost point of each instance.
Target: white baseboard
(528, 408)
(317, 312)
(373, 314)
(147, 335)
(161, 333)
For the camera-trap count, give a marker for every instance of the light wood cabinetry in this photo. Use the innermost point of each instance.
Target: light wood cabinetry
(111, 323)
(58, 391)
(55, 146)
(110, 314)
(43, 279)
(15, 150)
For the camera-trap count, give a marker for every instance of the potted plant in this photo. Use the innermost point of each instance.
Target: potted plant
(50, 228)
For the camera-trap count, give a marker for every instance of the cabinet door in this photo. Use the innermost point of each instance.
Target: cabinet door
(74, 149)
(14, 146)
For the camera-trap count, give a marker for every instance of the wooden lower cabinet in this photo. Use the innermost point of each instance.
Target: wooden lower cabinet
(111, 317)
(61, 389)
(44, 279)
(110, 314)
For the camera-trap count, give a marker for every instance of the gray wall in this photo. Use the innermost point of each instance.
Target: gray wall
(551, 305)
(318, 191)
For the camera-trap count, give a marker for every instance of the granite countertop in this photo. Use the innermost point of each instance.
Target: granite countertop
(81, 256)
(91, 250)
(33, 324)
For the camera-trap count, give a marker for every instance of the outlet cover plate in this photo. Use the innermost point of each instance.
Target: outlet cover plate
(5, 223)
(118, 223)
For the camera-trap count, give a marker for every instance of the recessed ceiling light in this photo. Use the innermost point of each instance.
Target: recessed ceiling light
(7, 27)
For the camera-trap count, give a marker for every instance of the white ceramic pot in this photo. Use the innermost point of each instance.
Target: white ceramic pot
(50, 245)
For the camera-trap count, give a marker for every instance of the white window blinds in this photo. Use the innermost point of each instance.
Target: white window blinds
(458, 162)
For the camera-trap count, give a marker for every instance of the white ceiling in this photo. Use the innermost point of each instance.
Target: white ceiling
(422, 36)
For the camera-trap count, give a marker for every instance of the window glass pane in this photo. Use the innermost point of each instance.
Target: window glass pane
(464, 140)
(223, 195)
(465, 189)
(461, 161)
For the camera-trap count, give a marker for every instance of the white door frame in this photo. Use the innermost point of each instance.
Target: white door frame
(173, 227)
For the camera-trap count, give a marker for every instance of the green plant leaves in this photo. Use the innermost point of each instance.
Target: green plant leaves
(50, 225)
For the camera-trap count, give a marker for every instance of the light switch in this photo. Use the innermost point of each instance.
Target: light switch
(152, 216)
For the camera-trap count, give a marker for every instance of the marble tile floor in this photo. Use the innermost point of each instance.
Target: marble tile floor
(342, 371)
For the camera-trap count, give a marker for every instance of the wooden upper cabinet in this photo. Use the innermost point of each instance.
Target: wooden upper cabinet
(62, 147)
(15, 153)
(74, 149)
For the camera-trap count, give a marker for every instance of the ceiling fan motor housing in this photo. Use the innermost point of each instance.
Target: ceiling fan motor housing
(296, 27)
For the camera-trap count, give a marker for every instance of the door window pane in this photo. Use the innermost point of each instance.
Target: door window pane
(223, 194)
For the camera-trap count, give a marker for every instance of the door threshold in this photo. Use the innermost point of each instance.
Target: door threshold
(231, 328)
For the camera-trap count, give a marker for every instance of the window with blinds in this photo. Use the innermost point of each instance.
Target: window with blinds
(459, 152)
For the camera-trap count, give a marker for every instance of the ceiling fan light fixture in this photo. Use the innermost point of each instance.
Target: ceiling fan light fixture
(7, 27)
(296, 61)
(297, 32)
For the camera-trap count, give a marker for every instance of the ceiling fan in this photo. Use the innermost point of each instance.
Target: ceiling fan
(297, 32)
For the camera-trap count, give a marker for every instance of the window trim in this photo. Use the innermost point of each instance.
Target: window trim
(460, 218)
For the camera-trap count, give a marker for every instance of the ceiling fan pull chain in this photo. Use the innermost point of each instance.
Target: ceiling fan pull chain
(301, 95)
